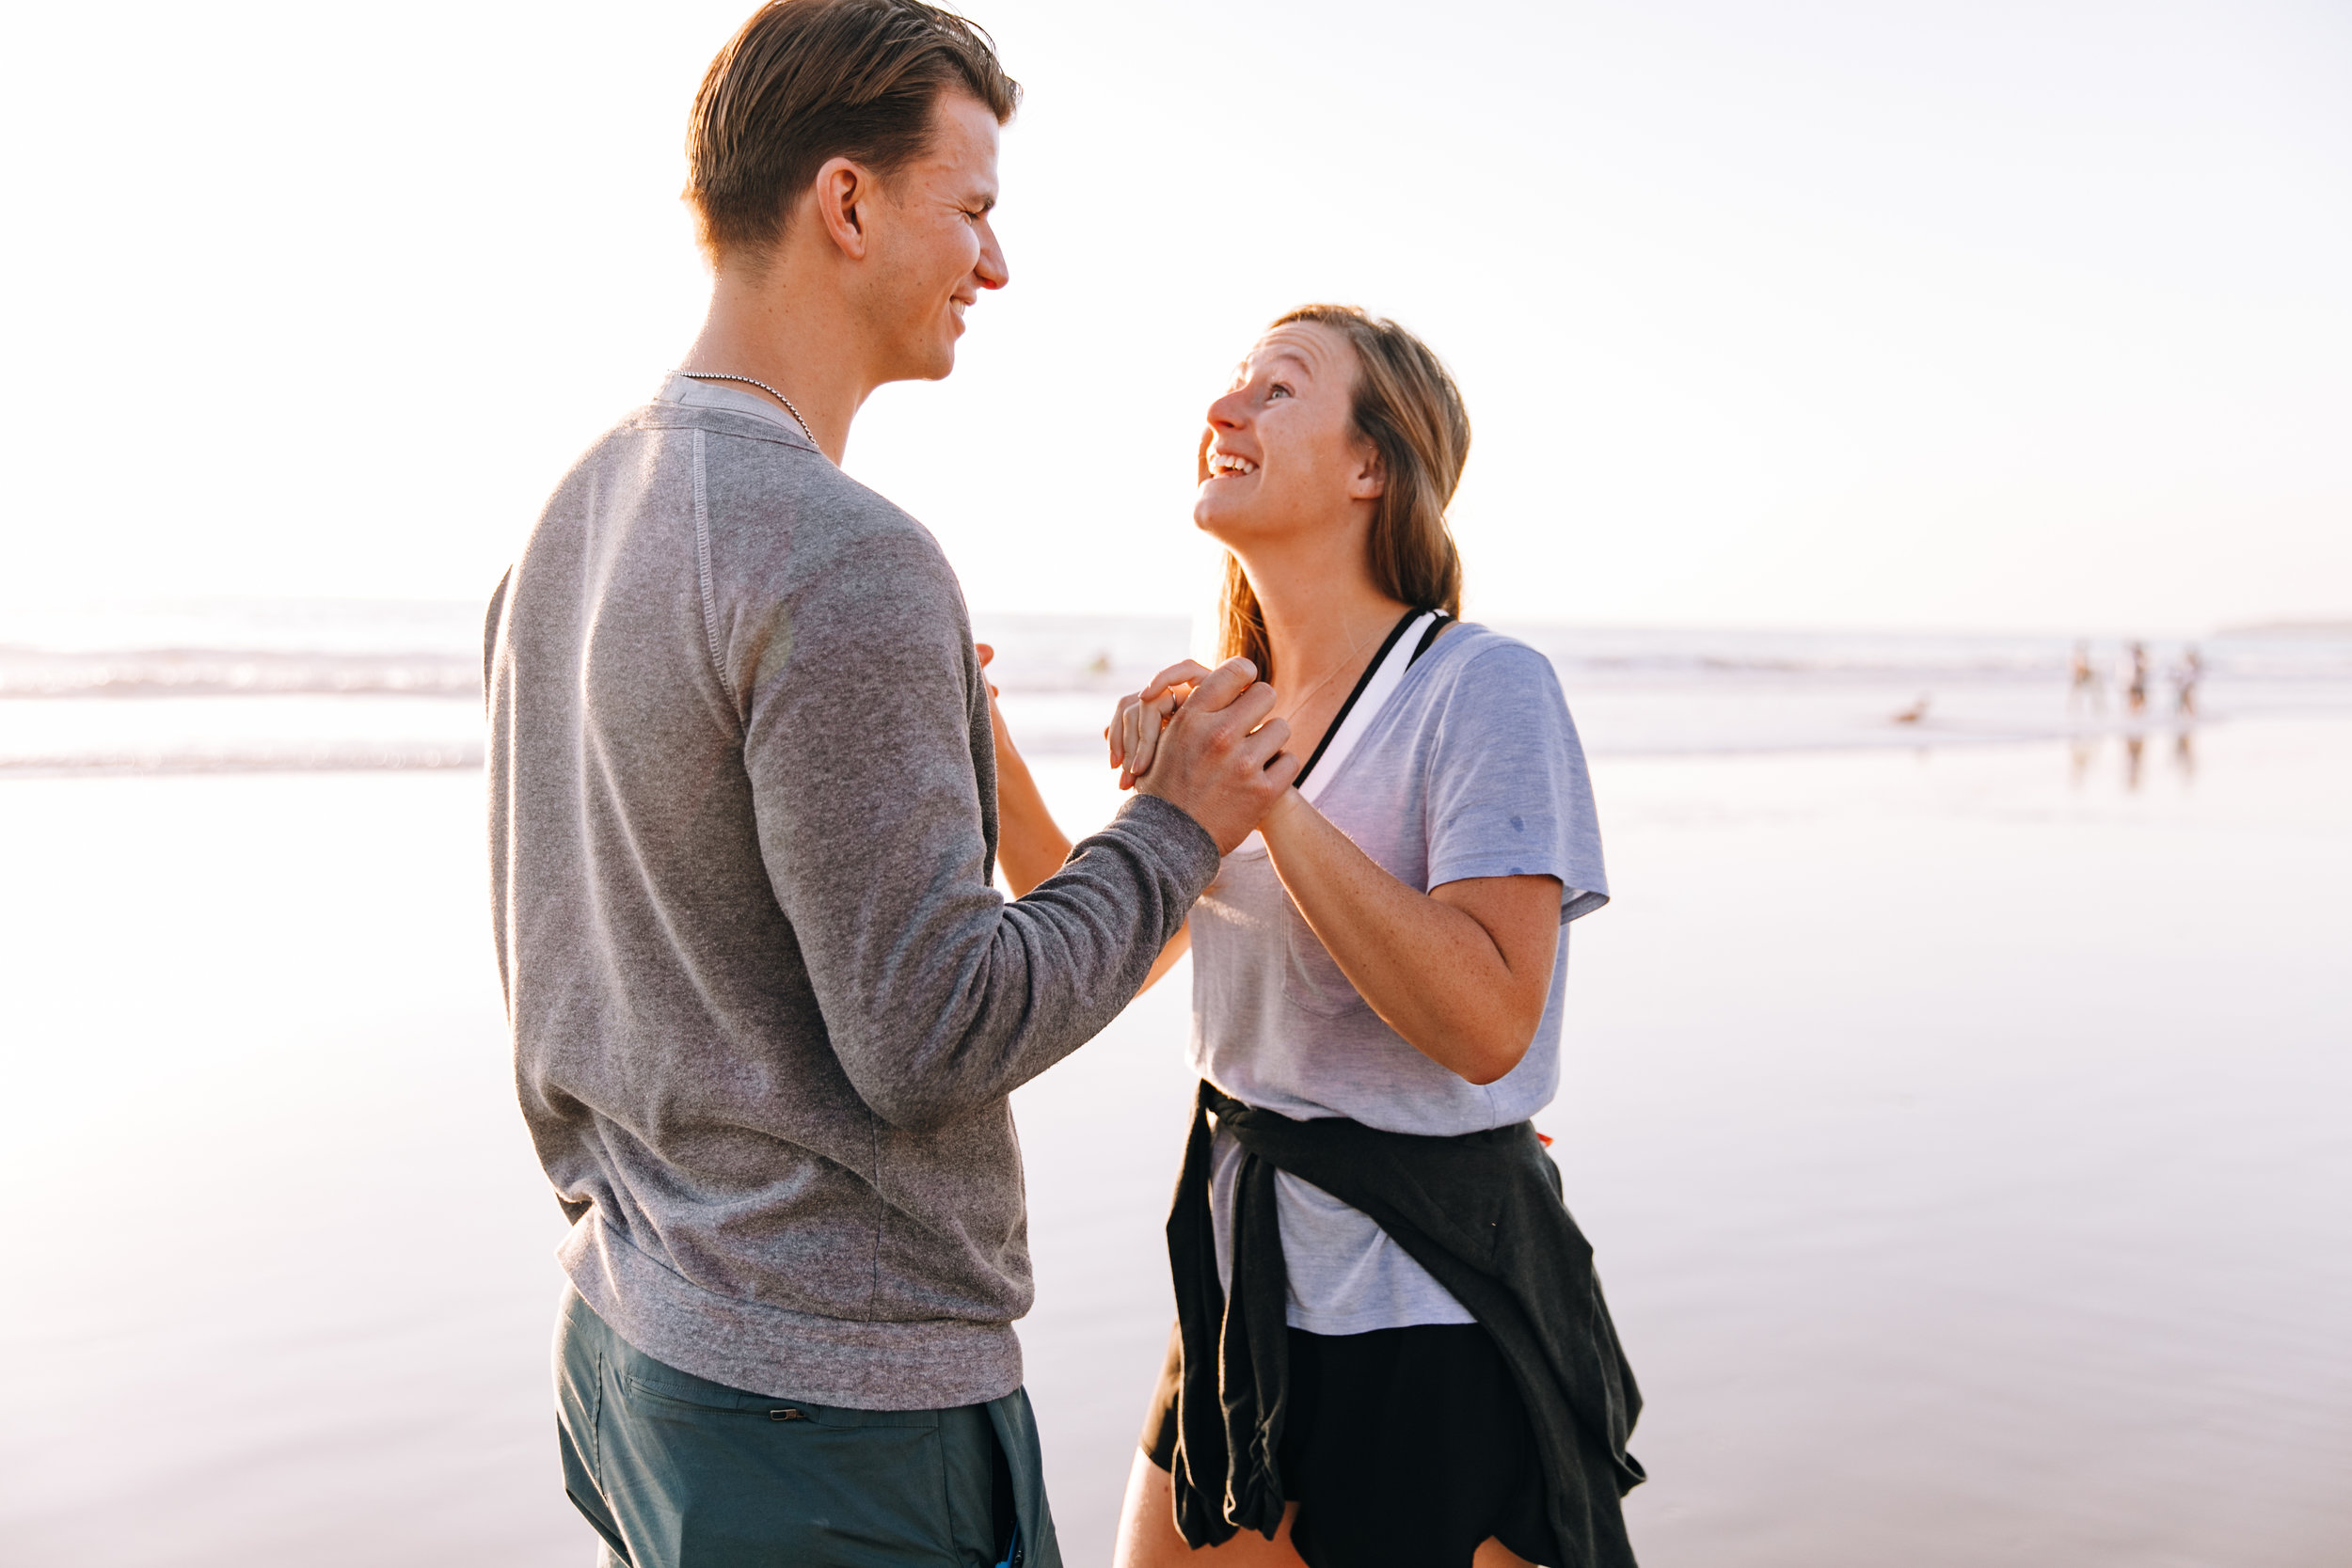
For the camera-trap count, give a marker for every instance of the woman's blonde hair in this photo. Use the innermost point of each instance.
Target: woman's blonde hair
(1406, 406)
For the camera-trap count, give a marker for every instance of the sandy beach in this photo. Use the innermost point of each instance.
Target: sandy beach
(1962, 1131)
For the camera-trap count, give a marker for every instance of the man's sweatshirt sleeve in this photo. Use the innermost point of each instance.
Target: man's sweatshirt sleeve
(939, 995)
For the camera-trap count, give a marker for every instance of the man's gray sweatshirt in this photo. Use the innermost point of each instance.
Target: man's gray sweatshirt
(767, 1003)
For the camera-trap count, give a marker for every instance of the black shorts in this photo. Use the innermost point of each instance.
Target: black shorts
(1404, 1447)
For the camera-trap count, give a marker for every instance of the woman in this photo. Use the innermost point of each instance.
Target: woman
(1377, 981)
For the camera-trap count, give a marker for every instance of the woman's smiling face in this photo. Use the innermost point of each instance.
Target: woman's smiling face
(1281, 453)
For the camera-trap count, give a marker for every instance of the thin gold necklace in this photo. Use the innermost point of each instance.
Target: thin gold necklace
(1300, 707)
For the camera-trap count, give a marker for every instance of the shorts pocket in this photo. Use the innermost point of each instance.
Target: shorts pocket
(643, 1376)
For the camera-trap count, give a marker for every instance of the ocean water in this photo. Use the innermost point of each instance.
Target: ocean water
(1962, 1109)
(267, 686)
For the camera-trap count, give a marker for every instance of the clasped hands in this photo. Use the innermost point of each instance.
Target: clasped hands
(1206, 742)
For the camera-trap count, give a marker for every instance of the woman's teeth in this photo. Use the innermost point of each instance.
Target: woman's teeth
(1222, 464)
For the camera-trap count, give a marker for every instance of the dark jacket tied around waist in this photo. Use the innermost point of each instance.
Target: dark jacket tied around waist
(1483, 1214)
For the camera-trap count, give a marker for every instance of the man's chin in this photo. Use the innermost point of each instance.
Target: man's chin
(940, 363)
(936, 364)
(944, 352)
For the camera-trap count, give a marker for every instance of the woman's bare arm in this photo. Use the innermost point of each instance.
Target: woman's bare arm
(1030, 844)
(1462, 972)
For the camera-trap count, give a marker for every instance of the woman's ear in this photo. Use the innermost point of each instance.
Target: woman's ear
(1371, 480)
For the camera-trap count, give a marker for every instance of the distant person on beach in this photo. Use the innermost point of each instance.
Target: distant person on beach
(1391, 1348)
(2083, 693)
(767, 1005)
(2186, 677)
(2136, 678)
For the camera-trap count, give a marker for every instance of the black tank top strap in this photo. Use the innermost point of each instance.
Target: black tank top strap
(1428, 637)
(1340, 719)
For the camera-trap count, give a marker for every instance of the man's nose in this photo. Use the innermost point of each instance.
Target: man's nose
(992, 271)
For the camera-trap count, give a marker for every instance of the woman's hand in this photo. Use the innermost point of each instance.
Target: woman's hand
(1134, 729)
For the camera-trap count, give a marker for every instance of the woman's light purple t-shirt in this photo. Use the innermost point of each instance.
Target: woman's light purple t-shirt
(1472, 769)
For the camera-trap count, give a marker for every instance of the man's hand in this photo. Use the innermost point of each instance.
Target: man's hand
(1220, 758)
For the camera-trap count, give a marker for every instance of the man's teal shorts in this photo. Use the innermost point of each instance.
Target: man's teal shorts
(675, 1471)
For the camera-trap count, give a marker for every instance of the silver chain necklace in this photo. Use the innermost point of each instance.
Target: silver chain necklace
(715, 375)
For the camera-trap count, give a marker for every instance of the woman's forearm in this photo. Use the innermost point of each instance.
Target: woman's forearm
(1462, 973)
(1030, 846)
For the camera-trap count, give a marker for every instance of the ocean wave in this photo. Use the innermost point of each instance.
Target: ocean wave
(358, 648)
(322, 758)
(30, 673)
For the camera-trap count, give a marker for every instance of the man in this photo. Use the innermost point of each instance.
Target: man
(767, 1005)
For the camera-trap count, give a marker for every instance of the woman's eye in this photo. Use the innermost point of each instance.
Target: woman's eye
(1278, 391)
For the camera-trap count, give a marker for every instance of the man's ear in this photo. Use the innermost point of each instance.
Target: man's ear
(843, 189)
(1371, 480)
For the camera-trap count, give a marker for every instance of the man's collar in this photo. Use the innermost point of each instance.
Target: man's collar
(735, 400)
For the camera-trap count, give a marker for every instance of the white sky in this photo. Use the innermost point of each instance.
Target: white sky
(1862, 314)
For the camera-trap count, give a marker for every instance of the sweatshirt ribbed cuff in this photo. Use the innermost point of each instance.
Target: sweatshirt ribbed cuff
(1182, 844)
